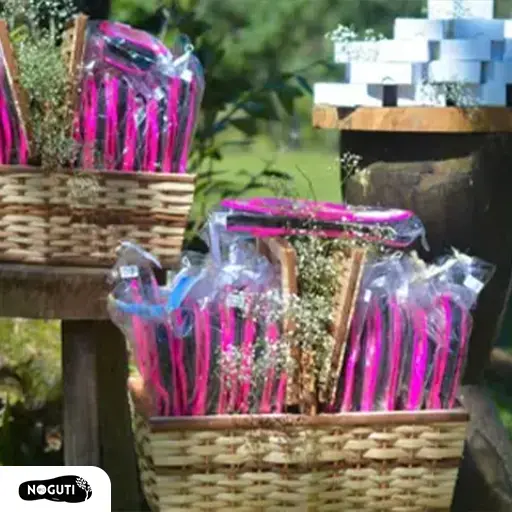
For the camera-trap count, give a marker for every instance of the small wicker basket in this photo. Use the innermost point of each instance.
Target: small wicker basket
(400, 461)
(45, 219)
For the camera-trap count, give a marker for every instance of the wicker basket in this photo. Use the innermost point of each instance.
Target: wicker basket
(399, 461)
(44, 218)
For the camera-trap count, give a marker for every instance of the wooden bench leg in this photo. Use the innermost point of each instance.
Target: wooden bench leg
(97, 423)
(81, 423)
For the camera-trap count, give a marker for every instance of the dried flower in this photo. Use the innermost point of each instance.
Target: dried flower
(36, 26)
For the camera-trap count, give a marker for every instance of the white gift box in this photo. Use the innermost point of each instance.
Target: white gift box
(507, 52)
(412, 28)
(497, 72)
(469, 72)
(387, 73)
(507, 29)
(479, 29)
(448, 9)
(420, 95)
(348, 95)
(493, 94)
(465, 49)
(388, 50)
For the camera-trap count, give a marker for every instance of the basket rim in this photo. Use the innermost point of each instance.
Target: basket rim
(122, 175)
(264, 421)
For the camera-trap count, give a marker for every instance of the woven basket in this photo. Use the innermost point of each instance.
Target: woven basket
(45, 219)
(399, 461)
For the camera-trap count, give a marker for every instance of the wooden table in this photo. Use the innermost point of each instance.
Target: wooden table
(97, 426)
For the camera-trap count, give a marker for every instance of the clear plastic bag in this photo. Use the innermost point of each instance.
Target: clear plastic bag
(442, 297)
(458, 282)
(13, 137)
(210, 342)
(138, 101)
(386, 325)
(280, 217)
(135, 306)
(410, 334)
(369, 351)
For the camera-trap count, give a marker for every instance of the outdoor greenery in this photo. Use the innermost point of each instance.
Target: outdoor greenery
(260, 59)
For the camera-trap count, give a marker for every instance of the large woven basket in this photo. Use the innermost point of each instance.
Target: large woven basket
(400, 461)
(45, 219)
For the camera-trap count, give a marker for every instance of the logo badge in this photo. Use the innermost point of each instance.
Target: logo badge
(66, 489)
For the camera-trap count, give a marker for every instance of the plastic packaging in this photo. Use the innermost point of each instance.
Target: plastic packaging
(458, 281)
(417, 357)
(132, 305)
(442, 297)
(210, 341)
(138, 101)
(13, 137)
(410, 334)
(263, 217)
(367, 359)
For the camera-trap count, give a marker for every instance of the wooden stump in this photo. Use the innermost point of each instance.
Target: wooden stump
(485, 475)
(459, 185)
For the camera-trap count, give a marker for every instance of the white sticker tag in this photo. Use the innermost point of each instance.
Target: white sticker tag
(129, 272)
(473, 284)
(235, 300)
(187, 75)
(402, 291)
(379, 281)
(367, 296)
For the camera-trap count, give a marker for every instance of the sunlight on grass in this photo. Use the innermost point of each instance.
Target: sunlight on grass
(315, 174)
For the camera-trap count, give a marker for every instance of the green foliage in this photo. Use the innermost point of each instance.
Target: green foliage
(30, 386)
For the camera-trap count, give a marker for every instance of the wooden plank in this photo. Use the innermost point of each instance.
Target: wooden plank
(21, 101)
(414, 119)
(68, 293)
(281, 252)
(116, 439)
(81, 440)
(78, 41)
(64, 293)
(345, 305)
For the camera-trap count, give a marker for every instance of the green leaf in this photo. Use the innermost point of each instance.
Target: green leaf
(247, 125)
(287, 96)
(273, 173)
(304, 84)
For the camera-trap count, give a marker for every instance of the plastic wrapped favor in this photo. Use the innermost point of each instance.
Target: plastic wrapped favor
(13, 137)
(138, 101)
(268, 217)
(210, 341)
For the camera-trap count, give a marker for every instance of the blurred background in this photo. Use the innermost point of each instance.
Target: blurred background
(261, 58)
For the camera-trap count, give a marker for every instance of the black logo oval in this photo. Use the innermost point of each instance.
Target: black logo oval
(68, 489)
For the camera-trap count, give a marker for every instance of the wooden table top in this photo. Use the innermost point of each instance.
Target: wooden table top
(414, 119)
(67, 293)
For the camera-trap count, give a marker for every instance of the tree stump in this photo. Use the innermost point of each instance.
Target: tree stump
(458, 184)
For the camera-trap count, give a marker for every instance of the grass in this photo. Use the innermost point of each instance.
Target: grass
(314, 173)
